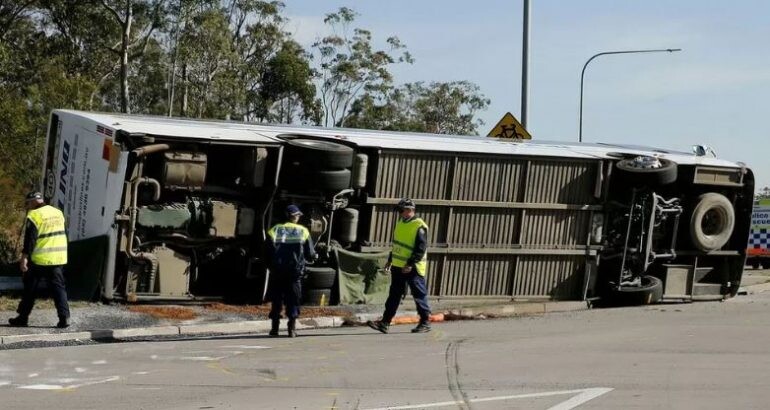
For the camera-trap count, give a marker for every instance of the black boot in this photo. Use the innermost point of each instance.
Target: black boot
(63, 323)
(19, 321)
(274, 329)
(379, 325)
(292, 327)
(422, 327)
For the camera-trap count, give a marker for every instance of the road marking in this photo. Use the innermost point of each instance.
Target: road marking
(70, 387)
(245, 347)
(202, 358)
(587, 395)
(582, 396)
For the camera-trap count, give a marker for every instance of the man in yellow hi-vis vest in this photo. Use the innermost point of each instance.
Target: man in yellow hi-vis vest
(43, 257)
(408, 266)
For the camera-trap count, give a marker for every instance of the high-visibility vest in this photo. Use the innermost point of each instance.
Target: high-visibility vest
(289, 242)
(289, 233)
(404, 238)
(51, 246)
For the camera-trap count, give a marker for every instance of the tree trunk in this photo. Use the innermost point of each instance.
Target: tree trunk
(124, 95)
(172, 82)
(185, 90)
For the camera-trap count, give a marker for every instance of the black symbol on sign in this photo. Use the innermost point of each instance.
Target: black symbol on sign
(509, 131)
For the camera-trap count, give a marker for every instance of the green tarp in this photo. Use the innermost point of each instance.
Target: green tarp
(362, 278)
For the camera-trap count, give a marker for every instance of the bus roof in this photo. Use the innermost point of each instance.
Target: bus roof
(262, 133)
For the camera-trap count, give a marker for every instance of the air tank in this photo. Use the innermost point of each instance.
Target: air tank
(360, 165)
(348, 225)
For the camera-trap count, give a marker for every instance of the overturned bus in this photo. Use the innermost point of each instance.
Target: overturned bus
(162, 208)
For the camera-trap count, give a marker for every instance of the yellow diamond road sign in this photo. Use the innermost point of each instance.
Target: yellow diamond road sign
(509, 127)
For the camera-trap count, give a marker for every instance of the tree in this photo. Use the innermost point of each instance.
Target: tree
(442, 108)
(148, 16)
(349, 65)
(287, 88)
(206, 47)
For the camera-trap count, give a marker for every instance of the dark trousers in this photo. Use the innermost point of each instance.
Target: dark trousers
(55, 277)
(398, 283)
(285, 289)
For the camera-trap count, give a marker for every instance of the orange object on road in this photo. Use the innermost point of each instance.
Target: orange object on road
(402, 320)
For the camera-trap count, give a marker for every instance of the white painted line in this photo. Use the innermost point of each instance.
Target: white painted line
(587, 395)
(68, 387)
(42, 387)
(248, 347)
(583, 395)
(202, 358)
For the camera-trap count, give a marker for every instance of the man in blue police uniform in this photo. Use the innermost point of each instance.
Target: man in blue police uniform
(43, 257)
(290, 245)
(408, 265)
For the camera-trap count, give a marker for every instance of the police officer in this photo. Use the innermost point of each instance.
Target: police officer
(43, 257)
(290, 245)
(408, 265)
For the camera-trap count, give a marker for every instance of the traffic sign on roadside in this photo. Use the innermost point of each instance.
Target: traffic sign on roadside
(509, 127)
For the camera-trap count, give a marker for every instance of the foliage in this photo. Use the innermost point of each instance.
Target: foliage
(442, 108)
(224, 59)
(349, 65)
(763, 193)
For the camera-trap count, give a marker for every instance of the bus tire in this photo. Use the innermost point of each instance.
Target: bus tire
(631, 173)
(319, 154)
(650, 291)
(765, 264)
(320, 277)
(299, 177)
(316, 297)
(332, 180)
(712, 222)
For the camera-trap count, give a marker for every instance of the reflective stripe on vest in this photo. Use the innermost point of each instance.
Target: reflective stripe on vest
(404, 238)
(51, 246)
(289, 233)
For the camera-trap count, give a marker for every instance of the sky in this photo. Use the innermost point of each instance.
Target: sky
(715, 92)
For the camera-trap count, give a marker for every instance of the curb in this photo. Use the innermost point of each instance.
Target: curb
(263, 326)
(106, 335)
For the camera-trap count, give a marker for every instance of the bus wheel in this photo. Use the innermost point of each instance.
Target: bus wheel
(648, 292)
(320, 277)
(647, 170)
(755, 265)
(712, 222)
(316, 297)
(319, 154)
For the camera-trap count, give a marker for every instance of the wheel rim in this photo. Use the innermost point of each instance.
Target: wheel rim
(646, 162)
(713, 221)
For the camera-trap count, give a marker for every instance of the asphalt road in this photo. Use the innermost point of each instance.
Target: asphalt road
(684, 356)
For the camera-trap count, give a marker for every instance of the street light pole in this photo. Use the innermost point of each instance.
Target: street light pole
(525, 64)
(583, 73)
